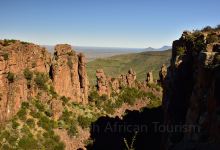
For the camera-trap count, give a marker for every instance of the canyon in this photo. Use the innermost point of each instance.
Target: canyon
(46, 99)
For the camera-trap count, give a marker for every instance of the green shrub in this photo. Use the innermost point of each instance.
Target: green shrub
(5, 55)
(4, 134)
(155, 86)
(53, 92)
(46, 123)
(27, 143)
(25, 105)
(211, 38)
(180, 51)
(35, 114)
(15, 124)
(12, 140)
(49, 113)
(11, 77)
(93, 96)
(109, 108)
(28, 74)
(39, 106)
(65, 100)
(8, 42)
(151, 96)
(41, 80)
(22, 114)
(129, 95)
(84, 122)
(72, 130)
(30, 122)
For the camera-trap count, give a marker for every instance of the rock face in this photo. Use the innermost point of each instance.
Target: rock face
(107, 85)
(66, 71)
(191, 92)
(102, 83)
(150, 79)
(69, 73)
(162, 73)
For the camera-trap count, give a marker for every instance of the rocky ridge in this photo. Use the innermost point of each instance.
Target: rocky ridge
(27, 70)
(191, 91)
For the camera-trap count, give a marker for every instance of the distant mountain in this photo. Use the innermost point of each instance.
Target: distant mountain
(93, 53)
(157, 49)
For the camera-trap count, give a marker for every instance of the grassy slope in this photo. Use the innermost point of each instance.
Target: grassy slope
(119, 64)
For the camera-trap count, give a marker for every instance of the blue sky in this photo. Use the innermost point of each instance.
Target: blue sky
(108, 23)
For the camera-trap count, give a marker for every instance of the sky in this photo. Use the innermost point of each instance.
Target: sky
(105, 23)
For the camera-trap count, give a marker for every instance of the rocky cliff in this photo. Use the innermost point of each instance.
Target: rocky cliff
(27, 70)
(191, 91)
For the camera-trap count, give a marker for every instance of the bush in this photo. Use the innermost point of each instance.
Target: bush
(28, 74)
(25, 105)
(211, 38)
(46, 123)
(72, 130)
(39, 106)
(27, 143)
(65, 100)
(10, 77)
(180, 51)
(151, 96)
(15, 124)
(53, 92)
(93, 96)
(8, 42)
(22, 114)
(84, 122)
(109, 108)
(30, 122)
(5, 55)
(129, 95)
(5, 134)
(41, 80)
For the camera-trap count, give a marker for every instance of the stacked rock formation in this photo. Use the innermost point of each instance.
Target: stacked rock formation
(107, 85)
(66, 72)
(191, 91)
(162, 73)
(150, 79)
(102, 83)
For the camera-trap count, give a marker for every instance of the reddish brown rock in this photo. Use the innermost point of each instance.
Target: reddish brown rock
(162, 73)
(68, 74)
(15, 56)
(131, 77)
(150, 79)
(102, 83)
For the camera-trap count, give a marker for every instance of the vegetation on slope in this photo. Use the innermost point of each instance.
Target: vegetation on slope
(140, 62)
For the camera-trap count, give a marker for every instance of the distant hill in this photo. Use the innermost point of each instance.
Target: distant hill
(157, 49)
(139, 62)
(93, 53)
